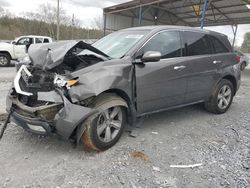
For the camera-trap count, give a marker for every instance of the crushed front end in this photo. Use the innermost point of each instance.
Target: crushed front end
(39, 97)
(41, 105)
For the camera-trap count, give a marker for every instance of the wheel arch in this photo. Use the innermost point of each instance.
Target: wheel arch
(120, 93)
(232, 79)
(124, 96)
(79, 130)
(7, 53)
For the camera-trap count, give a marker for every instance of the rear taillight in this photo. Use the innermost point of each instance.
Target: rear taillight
(238, 59)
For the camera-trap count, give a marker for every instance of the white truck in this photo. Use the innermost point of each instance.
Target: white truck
(18, 48)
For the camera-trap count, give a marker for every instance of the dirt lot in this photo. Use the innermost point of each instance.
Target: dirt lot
(179, 137)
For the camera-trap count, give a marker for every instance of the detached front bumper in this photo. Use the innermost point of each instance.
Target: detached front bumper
(33, 125)
(62, 118)
(34, 119)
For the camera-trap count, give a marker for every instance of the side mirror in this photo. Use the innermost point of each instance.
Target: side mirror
(151, 56)
(13, 42)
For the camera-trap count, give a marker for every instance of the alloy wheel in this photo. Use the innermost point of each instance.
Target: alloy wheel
(3, 60)
(224, 97)
(109, 124)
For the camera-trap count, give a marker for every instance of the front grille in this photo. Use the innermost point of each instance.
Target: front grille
(39, 81)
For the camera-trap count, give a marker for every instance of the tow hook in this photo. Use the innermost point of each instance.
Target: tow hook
(6, 123)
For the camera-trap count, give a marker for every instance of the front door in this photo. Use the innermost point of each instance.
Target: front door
(21, 47)
(162, 84)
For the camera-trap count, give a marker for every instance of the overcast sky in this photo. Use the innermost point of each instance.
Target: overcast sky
(84, 10)
(87, 10)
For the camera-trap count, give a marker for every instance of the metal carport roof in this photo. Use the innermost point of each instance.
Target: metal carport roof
(177, 12)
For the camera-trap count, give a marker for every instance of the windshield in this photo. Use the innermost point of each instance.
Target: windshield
(117, 44)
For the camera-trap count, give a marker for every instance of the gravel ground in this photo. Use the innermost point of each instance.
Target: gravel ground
(6, 77)
(190, 135)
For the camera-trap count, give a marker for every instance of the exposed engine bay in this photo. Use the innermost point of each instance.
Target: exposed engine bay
(47, 72)
(41, 74)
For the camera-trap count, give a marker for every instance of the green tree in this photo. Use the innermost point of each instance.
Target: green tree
(246, 43)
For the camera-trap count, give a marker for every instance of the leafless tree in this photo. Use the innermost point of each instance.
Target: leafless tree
(1, 11)
(98, 22)
(47, 13)
(4, 12)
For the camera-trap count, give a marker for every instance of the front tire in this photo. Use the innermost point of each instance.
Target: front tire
(104, 130)
(4, 60)
(221, 98)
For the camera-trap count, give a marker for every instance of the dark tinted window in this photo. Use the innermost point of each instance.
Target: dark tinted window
(218, 46)
(196, 43)
(167, 42)
(46, 40)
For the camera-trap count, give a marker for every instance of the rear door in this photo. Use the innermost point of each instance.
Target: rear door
(205, 68)
(222, 55)
(162, 84)
(38, 40)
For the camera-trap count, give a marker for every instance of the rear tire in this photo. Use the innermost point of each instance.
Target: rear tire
(104, 130)
(243, 66)
(221, 98)
(4, 60)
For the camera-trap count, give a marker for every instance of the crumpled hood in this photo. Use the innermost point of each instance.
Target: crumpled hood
(49, 55)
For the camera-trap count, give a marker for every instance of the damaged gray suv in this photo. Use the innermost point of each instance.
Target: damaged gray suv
(88, 93)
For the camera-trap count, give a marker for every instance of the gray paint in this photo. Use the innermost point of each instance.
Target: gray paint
(113, 74)
(148, 87)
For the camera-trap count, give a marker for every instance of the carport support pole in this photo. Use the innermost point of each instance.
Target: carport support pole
(204, 13)
(58, 21)
(235, 32)
(104, 23)
(140, 15)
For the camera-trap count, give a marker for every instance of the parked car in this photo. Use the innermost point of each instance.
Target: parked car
(88, 93)
(18, 48)
(244, 59)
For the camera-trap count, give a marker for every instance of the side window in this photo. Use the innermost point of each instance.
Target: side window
(167, 42)
(22, 41)
(25, 41)
(39, 40)
(46, 40)
(196, 44)
(218, 46)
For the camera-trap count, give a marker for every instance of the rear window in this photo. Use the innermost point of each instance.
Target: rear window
(46, 40)
(218, 45)
(196, 43)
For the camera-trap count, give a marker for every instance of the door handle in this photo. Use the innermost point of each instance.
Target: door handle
(179, 67)
(217, 62)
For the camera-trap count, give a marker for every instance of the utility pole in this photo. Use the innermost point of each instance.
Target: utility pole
(58, 22)
(72, 26)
